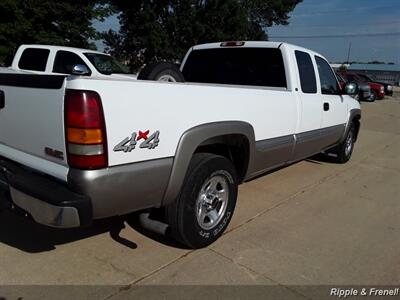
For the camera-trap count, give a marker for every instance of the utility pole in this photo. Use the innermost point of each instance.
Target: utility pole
(348, 54)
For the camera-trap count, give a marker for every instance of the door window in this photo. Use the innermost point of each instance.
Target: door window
(329, 85)
(65, 61)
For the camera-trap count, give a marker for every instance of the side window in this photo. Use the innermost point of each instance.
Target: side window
(65, 60)
(34, 59)
(329, 84)
(306, 72)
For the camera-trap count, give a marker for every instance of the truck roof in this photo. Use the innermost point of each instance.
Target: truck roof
(247, 44)
(53, 47)
(253, 44)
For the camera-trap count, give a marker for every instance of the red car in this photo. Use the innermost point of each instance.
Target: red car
(377, 90)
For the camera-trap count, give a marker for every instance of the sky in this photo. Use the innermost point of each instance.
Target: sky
(372, 28)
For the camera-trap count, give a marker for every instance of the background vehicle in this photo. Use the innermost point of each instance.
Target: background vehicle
(364, 90)
(388, 86)
(44, 59)
(78, 149)
(377, 90)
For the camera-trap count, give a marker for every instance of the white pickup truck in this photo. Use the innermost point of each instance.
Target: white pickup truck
(46, 59)
(74, 149)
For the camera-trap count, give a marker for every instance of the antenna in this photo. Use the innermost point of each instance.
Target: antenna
(348, 54)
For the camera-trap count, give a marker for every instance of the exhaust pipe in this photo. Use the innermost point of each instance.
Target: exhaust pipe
(153, 225)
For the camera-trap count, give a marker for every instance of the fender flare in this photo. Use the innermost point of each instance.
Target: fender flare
(192, 139)
(354, 113)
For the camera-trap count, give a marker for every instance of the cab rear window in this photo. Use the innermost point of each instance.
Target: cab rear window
(236, 66)
(34, 59)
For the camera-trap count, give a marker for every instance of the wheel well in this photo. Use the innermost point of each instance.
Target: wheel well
(234, 147)
(356, 121)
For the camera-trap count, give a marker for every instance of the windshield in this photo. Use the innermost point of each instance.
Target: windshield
(354, 78)
(106, 64)
(365, 77)
(340, 78)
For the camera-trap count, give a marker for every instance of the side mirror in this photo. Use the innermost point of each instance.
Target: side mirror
(80, 70)
(350, 89)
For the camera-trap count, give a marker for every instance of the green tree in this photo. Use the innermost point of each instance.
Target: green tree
(342, 68)
(166, 29)
(61, 22)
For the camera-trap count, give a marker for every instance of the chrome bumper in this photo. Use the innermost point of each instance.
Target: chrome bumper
(49, 202)
(45, 213)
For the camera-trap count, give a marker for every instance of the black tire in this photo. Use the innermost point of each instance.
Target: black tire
(345, 149)
(373, 97)
(161, 71)
(188, 215)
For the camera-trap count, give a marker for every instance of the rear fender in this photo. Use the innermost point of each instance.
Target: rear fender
(195, 137)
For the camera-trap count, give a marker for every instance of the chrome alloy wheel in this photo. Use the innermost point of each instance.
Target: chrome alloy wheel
(167, 78)
(373, 97)
(349, 144)
(212, 202)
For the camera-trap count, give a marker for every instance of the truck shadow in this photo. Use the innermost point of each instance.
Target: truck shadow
(26, 235)
(321, 159)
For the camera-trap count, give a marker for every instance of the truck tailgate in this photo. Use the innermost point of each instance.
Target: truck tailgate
(32, 121)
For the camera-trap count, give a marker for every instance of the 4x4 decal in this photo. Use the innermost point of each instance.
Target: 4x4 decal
(130, 143)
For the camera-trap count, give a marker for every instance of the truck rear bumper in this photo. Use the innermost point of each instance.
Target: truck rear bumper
(48, 201)
(123, 189)
(87, 195)
(46, 213)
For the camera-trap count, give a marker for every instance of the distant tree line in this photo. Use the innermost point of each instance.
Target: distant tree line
(166, 29)
(60, 22)
(374, 62)
(151, 30)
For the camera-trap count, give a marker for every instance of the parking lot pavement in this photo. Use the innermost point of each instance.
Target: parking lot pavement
(313, 223)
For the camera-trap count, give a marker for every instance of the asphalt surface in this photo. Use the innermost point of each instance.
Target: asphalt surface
(295, 233)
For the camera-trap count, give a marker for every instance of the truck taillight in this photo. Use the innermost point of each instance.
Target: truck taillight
(85, 131)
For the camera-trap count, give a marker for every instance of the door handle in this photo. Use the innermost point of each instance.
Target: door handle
(326, 106)
(2, 100)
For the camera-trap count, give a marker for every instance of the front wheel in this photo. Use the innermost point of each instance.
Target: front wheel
(206, 203)
(345, 149)
(373, 97)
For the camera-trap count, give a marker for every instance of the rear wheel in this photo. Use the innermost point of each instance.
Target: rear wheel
(206, 203)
